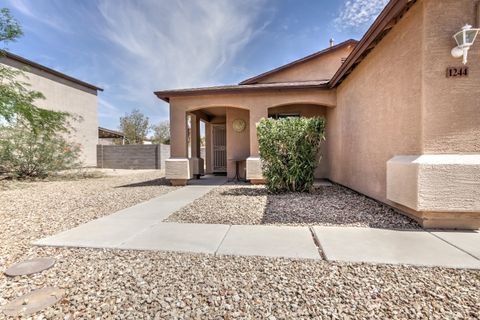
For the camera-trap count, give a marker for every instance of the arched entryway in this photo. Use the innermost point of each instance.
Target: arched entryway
(227, 140)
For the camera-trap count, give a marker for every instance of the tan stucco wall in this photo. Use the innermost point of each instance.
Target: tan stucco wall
(320, 68)
(238, 143)
(64, 95)
(257, 103)
(451, 109)
(251, 107)
(378, 113)
(398, 105)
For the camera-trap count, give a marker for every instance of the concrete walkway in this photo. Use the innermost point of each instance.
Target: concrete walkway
(141, 228)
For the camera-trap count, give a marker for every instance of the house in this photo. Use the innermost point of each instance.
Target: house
(108, 136)
(64, 93)
(403, 114)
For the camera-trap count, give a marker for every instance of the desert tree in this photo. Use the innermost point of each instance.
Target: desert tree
(135, 126)
(161, 132)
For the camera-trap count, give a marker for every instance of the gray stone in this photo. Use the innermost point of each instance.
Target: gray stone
(468, 241)
(100, 233)
(269, 241)
(30, 266)
(390, 247)
(184, 237)
(113, 230)
(32, 302)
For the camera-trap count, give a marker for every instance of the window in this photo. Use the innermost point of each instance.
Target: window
(284, 115)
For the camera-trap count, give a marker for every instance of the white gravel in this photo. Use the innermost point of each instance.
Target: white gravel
(154, 285)
(329, 206)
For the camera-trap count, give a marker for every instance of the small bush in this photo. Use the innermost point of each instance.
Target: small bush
(288, 150)
(24, 153)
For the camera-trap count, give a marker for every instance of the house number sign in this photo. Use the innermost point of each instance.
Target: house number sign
(457, 72)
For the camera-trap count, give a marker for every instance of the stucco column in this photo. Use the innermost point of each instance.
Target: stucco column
(177, 168)
(256, 114)
(178, 132)
(196, 162)
(208, 147)
(254, 166)
(195, 136)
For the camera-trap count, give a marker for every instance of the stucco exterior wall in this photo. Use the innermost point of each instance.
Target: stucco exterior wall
(378, 113)
(251, 107)
(451, 109)
(320, 68)
(256, 103)
(238, 143)
(64, 95)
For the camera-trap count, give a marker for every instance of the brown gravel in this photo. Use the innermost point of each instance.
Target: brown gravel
(32, 210)
(148, 285)
(104, 284)
(329, 206)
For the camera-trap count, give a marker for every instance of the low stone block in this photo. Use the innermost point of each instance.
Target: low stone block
(254, 169)
(197, 166)
(178, 169)
(441, 182)
(440, 191)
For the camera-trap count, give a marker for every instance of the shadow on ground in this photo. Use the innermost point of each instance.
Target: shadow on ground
(148, 183)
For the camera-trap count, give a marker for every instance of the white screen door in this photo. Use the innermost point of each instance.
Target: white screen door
(219, 148)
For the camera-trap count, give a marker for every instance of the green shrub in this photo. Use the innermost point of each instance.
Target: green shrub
(24, 153)
(288, 150)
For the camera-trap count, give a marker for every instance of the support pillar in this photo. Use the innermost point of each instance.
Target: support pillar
(208, 147)
(254, 165)
(177, 168)
(196, 161)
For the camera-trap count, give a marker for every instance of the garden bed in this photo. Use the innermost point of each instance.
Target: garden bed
(326, 205)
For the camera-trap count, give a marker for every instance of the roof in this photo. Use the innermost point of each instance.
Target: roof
(165, 95)
(48, 70)
(390, 15)
(255, 79)
(107, 133)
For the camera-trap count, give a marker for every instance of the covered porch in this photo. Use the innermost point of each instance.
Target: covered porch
(230, 117)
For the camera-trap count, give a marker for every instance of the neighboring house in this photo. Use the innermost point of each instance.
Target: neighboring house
(398, 129)
(108, 137)
(64, 93)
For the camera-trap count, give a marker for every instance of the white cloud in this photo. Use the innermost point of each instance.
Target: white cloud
(39, 15)
(175, 43)
(358, 13)
(106, 109)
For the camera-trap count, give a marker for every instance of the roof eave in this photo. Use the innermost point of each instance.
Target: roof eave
(256, 78)
(167, 94)
(48, 70)
(384, 22)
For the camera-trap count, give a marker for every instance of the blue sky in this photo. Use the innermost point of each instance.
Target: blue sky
(134, 47)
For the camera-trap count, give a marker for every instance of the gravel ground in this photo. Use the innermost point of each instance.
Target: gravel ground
(105, 284)
(32, 210)
(330, 206)
(147, 285)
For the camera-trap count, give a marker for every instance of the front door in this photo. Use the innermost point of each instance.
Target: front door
(219, 148)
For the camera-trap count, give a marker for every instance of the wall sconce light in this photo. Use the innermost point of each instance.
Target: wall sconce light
(465, 39)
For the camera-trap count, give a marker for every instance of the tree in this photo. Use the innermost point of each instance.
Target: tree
(16, 100)
(161, 132)
(32, 139)
(135, 127)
